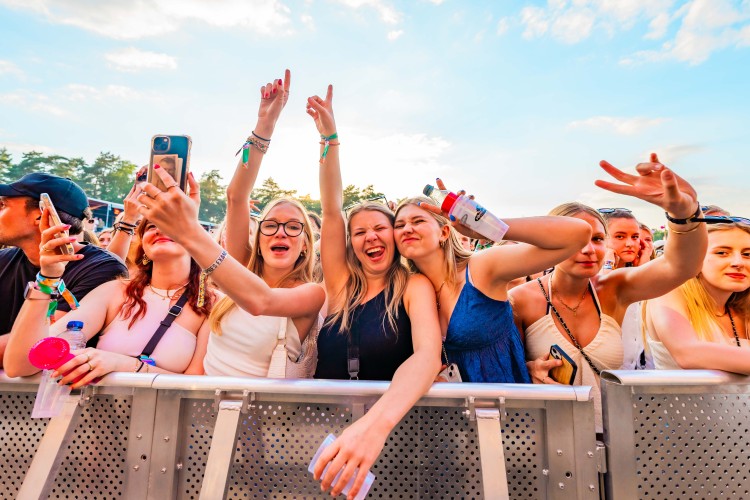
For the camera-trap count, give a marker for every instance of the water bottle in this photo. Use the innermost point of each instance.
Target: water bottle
(468, 212)
(50, 397)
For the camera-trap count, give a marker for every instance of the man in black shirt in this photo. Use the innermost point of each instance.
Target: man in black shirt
(19, 228)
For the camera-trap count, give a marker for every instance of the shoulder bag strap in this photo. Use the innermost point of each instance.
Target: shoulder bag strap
(174, 311)
(352, 354)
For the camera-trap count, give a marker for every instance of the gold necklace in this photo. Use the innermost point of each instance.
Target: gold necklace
(167, 296)
(437, 294)
(574, 310)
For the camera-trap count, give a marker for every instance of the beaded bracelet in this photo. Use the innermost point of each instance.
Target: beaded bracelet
(255, 141)
(118, 226)
(204, 274)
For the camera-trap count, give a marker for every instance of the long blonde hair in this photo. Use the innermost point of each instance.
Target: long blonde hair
(301, 272)
(701, 306)
(573, 208)
(355, 289)
(455, 256)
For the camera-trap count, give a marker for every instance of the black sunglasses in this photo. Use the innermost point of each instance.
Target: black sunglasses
(720, 219)
(613, 210)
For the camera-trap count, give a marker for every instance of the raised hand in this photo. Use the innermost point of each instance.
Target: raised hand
(130, 202)
(51, 261)
(655, 184)
(171, 210)
(322, 112)
(456, 224)
(273, 98)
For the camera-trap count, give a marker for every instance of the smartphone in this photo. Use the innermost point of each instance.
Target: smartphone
(565, 373)
(172, 153)
(54, 220)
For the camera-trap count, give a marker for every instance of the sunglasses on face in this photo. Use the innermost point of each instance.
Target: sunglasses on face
(377, 199)
(291, 228)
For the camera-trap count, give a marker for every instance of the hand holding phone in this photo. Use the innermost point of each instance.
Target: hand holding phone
(172, 153)
(45, 202)
(565, 373)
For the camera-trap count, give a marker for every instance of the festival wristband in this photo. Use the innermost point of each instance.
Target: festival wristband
(55, 287)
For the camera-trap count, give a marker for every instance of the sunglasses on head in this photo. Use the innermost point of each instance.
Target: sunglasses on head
(720, 219)
(613, 210)
(377, 199)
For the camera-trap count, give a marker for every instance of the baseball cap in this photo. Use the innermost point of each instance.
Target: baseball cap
(67, 196)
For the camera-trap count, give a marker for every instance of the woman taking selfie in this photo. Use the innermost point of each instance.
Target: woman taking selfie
(580, 309)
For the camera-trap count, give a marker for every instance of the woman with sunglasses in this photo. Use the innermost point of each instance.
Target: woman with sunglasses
(701, 324)
(580, 309)
(382, 323)
(267, 284)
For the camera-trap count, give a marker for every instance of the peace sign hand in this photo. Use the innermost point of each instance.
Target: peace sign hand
(322, 112)
(655, 184)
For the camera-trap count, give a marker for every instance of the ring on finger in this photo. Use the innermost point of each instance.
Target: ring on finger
(91, 367)
(43, 248)
(174, 184)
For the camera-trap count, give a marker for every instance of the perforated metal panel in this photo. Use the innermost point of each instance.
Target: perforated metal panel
(692, 445)
(432, 453)
(94, 464)
(19, 439)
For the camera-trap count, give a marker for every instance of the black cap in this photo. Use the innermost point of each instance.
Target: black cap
(66, 195)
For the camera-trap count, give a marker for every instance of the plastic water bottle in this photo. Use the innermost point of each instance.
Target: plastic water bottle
(74, 335)
(50, 397)
(369, 479)
(468, 212)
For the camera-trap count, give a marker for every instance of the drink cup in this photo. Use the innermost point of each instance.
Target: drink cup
(369, 479)
(48, 354)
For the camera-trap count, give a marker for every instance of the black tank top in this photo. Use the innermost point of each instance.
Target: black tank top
(381, 349)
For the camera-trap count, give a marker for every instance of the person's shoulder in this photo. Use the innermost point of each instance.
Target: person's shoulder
(94, 254)
(418, 283)
(8, 254)
(94, 258)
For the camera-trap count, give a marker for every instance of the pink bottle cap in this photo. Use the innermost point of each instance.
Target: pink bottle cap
(50, 353)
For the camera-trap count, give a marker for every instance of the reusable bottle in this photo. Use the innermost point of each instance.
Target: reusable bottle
(468, 212)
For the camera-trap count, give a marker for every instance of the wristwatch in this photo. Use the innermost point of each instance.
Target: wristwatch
(32, 292)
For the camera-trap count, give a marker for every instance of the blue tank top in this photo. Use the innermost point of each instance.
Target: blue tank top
(381, 348)
(483, 340)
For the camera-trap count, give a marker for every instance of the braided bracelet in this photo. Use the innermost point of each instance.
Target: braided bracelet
(204, 274)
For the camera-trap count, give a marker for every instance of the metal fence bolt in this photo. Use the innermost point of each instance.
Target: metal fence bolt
(545, 472)
(561, 485)
(590, 454)
(163, 470)
(559, 453)
(136, 467)
(166, 438)
(139, 436)
(592, 487)
(179, 465)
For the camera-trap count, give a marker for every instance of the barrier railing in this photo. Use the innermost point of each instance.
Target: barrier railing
(159, 436)
(676, 434)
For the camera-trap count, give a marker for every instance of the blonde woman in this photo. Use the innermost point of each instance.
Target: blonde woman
(703, 324)
(379, 315)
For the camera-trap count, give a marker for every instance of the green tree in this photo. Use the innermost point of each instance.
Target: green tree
(270, 190)
(353, 194)
(310, 204)
(213, 197)
(6, 167)
(108, 178)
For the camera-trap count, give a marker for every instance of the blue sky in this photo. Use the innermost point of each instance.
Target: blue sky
(514, 101)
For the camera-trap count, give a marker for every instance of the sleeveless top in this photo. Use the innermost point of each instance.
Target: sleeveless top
(663, 360)
(605, 350)
(381, 348)
(174, 351)
(483, 340)
(246, 343)
(635, 355)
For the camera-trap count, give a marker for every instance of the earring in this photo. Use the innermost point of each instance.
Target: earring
(442, 243)
(303, 253)
(145, 260)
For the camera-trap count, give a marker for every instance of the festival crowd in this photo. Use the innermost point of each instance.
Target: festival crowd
(373, 291)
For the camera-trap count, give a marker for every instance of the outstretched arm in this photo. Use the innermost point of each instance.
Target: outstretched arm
(686, 247)
(333, 232)
(361, 443)
(120, 244)
(273, 98)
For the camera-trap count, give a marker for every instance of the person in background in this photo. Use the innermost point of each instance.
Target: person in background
(580, 309)
(20, 218)
(624, 236)
(704, 323)
(465, 242)
(647, 252)
(105, 237)
(373, 303)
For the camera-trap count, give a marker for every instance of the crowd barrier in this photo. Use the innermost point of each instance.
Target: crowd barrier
(166, 436)
(676, 434)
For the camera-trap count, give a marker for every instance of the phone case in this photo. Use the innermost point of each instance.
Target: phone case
(566, 373)
(449, 374)
(172, 153)
(54, 220)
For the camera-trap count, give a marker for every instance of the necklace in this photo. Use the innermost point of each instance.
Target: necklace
(167, 296)
(437, 294)
(574, 310)
(734, 328)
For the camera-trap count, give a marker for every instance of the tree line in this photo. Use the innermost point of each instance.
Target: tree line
(109, 178)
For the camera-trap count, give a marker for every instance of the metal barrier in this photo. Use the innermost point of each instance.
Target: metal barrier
(676, 434)
(163, 436)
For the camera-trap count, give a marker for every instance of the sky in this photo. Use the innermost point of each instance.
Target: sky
(514, 101)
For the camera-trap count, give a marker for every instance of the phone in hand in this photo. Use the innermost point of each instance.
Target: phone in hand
(565, 373)
(172, 153)
(54, 220)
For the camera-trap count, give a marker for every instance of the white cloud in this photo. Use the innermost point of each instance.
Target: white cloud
(308, 22)
(150, 18)
(502, 26)
(623, 126)
(132, 59)
(395, 34)
(81, 92)
(535, 19)
(573, 26)
(388, 13)
(17, 149)
(33, 101)
(9, 68)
